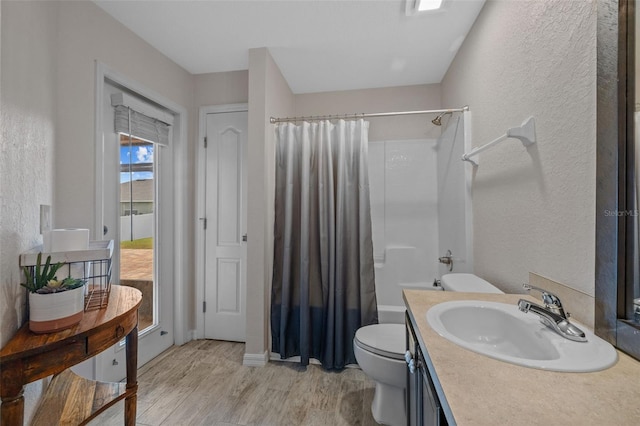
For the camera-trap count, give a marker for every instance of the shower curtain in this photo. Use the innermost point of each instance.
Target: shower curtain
(323, 285)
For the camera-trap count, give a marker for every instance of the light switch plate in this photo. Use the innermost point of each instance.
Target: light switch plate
(45, 218)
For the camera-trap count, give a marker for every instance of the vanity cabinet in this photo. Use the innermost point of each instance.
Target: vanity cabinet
(423, 405)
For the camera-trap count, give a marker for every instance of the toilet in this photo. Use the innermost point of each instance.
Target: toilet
(468, 283)
(380, 348)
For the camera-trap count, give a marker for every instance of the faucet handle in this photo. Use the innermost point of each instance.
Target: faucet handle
(550, 300)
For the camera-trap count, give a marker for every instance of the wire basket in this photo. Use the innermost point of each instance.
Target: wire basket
(92, 265)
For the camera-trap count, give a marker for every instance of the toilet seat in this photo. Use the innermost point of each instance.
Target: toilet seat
(386, 340)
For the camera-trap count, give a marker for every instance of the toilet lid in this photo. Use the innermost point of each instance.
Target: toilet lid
(469, 283)
(386, 340)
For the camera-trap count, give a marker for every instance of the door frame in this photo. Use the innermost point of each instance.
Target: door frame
(180, 168)
(201, 180)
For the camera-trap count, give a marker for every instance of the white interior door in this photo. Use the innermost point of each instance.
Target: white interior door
(226, 224)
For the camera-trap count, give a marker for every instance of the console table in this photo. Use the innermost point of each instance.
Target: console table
(28, 357)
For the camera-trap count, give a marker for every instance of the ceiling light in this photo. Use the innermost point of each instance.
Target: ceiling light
(423, 5)
(419, 7)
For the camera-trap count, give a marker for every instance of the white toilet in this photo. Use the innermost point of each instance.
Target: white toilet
(467, 283)
(380, 348)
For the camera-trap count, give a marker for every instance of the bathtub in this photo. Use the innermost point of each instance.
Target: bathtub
(394, 314)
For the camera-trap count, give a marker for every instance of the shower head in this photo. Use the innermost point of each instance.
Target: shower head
(438, 120)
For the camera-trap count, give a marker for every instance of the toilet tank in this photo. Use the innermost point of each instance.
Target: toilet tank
(467, 283)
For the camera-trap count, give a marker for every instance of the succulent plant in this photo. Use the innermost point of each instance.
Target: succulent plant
(44, 279)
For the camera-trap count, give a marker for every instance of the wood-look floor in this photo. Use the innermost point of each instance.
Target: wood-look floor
(205, 383)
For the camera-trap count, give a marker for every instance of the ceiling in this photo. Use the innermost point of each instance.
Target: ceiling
(319, 45)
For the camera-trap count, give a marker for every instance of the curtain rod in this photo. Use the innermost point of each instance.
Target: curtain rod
(365, 115)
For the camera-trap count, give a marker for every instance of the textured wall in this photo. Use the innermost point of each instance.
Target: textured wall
(28, 135)
(534, 209)
(49, 51)
(402, 98)
(221, 88)
(269, 95)
(87, 34)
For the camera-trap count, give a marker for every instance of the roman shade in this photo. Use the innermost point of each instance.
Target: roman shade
(142, 126)
(140, 119)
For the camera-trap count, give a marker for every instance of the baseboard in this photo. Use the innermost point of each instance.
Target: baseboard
(193, 335)
(255, 360)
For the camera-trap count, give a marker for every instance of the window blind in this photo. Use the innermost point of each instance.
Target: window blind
(142, 126)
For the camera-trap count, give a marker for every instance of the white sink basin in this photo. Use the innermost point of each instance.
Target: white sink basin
(503, 332)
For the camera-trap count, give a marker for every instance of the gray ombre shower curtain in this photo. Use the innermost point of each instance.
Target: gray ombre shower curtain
(323, 286)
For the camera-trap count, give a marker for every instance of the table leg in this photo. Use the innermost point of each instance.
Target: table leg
(131, 401)
(12, 409)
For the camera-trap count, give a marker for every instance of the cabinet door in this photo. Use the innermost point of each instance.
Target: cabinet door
(414, 389)
(423, 405)
(430, 403)
(414, 381)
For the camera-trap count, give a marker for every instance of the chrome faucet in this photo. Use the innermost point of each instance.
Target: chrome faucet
(552, 314)
(447, 259)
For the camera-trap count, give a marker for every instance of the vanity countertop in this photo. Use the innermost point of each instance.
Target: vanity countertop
(483, 391)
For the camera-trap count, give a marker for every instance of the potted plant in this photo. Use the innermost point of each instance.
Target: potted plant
(53, 304)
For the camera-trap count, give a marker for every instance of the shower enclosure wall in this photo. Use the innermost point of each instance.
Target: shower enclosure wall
(420, 208)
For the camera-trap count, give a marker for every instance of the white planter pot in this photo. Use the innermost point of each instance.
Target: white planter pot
(55, 311)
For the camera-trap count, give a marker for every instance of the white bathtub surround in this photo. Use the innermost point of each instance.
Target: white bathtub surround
(391, 314)
(420, 208)
(404, 216)
(455, 231)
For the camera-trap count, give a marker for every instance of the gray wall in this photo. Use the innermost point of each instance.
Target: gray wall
(49, 51)
(533, 209)
(28, 126)
(402, 98)
(269, 95)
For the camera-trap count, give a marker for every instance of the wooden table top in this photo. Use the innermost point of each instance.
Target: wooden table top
(121, 301)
